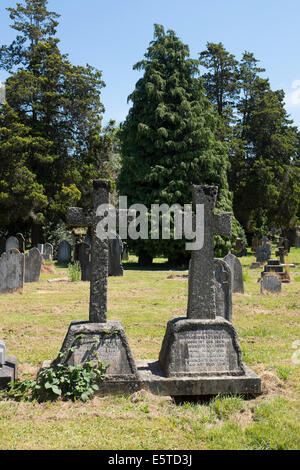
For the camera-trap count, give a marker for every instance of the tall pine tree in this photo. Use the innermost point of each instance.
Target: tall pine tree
(59, 106)
(263, 143)
(168, 138)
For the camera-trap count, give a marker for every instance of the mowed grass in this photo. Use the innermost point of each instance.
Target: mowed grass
(34, 324)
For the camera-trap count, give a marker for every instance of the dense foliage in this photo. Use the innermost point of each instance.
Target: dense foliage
(51, 141)
(168, 138)
(264, 174)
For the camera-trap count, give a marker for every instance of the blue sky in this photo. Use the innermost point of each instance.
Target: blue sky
(114, 35)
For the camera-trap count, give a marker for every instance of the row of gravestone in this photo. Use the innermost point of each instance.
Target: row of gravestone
(82, 254)
(11, 243)
(17, 268)
(18, 243)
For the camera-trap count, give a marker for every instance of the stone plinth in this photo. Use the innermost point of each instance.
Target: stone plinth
(200, 348)
(153, 379)
(106, 341)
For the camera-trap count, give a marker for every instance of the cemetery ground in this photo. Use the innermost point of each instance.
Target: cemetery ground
(34, 324)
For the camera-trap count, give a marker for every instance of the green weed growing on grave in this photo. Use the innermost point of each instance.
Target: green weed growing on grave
(63, 381)
(284, 372)
(74, 272)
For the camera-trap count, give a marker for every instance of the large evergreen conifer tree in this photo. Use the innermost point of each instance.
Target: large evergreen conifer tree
(168, 140)
(57, 140)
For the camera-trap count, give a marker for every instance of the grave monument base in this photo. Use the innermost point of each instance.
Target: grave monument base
(8, 372)
(199, 358)
(153, 379)
(108, 341)
(200, 347)
(105, 341)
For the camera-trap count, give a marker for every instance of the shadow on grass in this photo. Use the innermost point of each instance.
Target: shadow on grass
(153, 267)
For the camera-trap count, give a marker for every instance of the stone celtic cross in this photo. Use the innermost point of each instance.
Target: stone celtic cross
(201, 296)
(79, 217)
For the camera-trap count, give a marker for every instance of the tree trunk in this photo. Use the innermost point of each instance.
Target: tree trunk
(36, 234)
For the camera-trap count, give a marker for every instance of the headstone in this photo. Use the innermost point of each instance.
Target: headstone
(8, 367)
(40, 247)
(115, 249)
(2, 353)
(11, 272)
(270, 284)
(84, 258)
(2, 245)
(64, 252)
(263, 252)
(223, 289)
(236, 273)
(284, 243)
(48, 251)
(12, 243)
(125, 254)
(240, 248)
(297, 238)
(203, 350)
(21, 239)
(33, 265)
(106, 339)
(255, 243)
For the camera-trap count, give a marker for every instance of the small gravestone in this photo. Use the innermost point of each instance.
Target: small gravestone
(2, 353)
(115, 249)
(8, 367)
(21, 239)
(12, 243)
(263, 252)
(11, 272)
(48, 251)
(223, 289)
(255, 243)
(270, 284)
(125, 254)
(284, 243)
(33, 265)
(297, 238)
(2, 245)
(84, 258)
(240, 248)
(64, 252)
(236, 273)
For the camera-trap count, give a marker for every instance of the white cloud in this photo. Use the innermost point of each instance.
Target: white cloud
(293, 95)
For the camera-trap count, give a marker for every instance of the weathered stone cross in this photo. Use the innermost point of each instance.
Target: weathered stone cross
(201, 296)
(79, 217)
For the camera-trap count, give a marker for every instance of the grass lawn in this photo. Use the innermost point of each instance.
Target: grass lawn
(34, 324)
